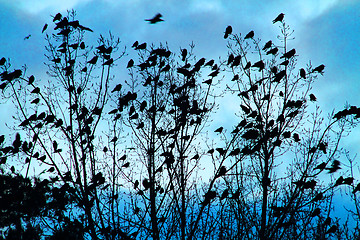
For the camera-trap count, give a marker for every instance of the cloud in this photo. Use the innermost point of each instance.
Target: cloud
(37, 6)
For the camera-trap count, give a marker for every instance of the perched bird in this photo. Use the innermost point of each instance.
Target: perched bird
(219, 130)
(57, 17)
(260, 64)
(44, 28)
(279, 18)
(248, 65)
(302, 73)
(183, 54)
(155, 19)
(289, 54)
(2, 61)
(319, 69)
(117, 88)
(285, 63)
(267, 45)
(93, 60)
(321, 166)
(108, 62)
(130, 63)
(249, 35)
(228, 31)
(312, 97)
(272, 51)
(141, 46)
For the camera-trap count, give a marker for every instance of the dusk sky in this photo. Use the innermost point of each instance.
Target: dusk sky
(326, 32)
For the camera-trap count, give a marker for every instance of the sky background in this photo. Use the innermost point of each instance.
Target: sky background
(326, 32)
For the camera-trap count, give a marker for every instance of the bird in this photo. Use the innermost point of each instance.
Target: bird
(312, 97)
(248, 65)
(260, 64)
(155, 19)
(289, 54)
(285, 63)
(108, 62)
(249, 35)
(267, 45)
(219, 130)
(228, 31)
(2, 61)
(141, 46)
(279, 18)
(35, 101)
(183, 54)
(44, 28)
(321, 166)
(36, 90)
(302, 73)
(130, 63)
(272, 51)
(31, 79)
(57, 17)
(117, 88)
(93, 60)
(27, 37)
(319, 69)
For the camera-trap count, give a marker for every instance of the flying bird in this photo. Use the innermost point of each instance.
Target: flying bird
(279, 18)
(27, 37)
(249, 35)
(155, 19)
(228, 31)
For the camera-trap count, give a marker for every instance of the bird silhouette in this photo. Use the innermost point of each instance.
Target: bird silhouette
(249, 35)
(57, 17)
(228, 31)
(44, 28)
(302, 73)
(108, 62)
(2, 61)
(289, 54)
(272, 51)
(93, 60)
(319, 69)
(117, 88)
(27, 37)
(155, 19)
(141, 46)
(248, 65)
(279, 18)
(267, 45)
(219, 130)
(260, 64)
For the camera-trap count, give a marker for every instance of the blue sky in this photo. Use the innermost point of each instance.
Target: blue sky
(326, 31)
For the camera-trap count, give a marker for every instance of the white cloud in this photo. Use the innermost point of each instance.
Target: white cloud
(36, 6)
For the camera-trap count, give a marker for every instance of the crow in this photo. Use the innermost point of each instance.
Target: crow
(249, 35)
(312, 97)
(260, 64)
(289, 54)
(155, 19)
(272, 51)
(93, 60)
(279, 18)
(267, 45)
(319, 69)
(302, 73)
(27, 37)
(57, 17)
(228, 31)
(219, 130)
